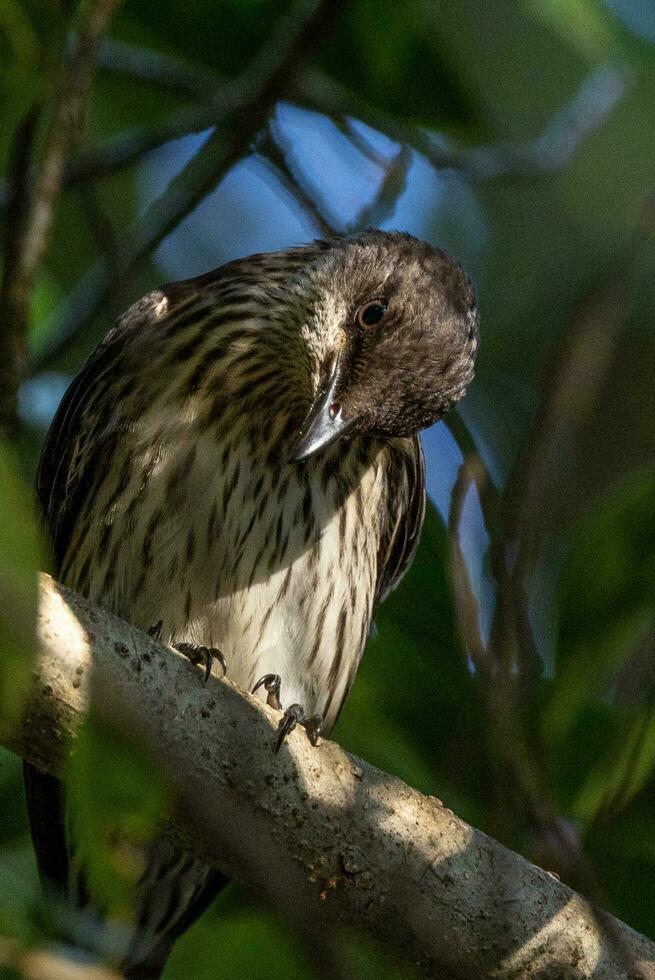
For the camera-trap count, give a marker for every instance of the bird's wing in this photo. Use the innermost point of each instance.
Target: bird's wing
(77, 448)
(405, 507)
(66, 472)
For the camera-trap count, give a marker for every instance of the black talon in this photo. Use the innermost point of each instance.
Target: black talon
(217, 655)
(156, 629)
(295, 715)
(291, 717)
(271, 684)
(313, 727)
(199, 654)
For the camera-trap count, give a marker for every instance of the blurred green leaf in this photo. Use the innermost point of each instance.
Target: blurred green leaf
(22, 554)
(586, 23)
(623, 769)
(117, 798)
(384, 53)
(599, 719)
(607, 600)
(247, 943)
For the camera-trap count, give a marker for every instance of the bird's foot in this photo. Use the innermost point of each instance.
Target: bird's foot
(271, 684)
(196, 653)
(155, 630)
(295, 715)
(199, 654)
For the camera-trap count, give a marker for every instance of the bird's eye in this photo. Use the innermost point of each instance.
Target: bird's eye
(370, 314)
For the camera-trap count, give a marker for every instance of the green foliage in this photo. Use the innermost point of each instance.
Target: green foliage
(607, 622)
(605, 615)
(22, 554)
(385, 52)
(117, 797)
(239, 942)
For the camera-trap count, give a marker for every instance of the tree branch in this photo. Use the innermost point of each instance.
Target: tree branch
(28, 238)
(157, 68)
(327, 838)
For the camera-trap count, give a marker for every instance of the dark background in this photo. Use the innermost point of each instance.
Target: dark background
(514, 672)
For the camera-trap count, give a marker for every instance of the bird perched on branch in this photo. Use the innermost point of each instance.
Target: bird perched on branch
(238, 463)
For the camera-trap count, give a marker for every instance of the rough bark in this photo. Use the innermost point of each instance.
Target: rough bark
(330, 839)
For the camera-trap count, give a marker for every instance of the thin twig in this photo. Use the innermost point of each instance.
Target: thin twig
(99, 223)
(471, 473)
(391, 187)
(33, 233)
(278, 162)
(12, 331)
(372, 214)
(157, 67)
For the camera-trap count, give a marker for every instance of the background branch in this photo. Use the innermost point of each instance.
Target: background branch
(548, 152)
(27, 237)
(246, 108)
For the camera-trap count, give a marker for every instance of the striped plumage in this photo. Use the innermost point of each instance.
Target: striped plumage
(171, 493)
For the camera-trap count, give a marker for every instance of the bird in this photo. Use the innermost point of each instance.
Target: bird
(237, 468)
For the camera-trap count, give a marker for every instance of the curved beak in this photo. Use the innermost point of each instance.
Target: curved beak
(324, 423)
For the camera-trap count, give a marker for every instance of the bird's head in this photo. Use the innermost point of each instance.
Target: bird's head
(392, 334)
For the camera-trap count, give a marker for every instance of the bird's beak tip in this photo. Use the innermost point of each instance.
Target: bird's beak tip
(324, 422)
(320, 431)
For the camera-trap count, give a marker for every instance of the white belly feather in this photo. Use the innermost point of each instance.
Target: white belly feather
(273, 601)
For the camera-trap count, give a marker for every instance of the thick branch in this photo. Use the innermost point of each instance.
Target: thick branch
(330, 839)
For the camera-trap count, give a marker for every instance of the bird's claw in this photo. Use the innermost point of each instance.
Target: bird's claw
(312, 726)
(295, 715)
(155, 630)
(199, 654)
(271, 684)
(288, 722)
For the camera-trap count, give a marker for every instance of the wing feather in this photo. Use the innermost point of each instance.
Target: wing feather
(405, 509)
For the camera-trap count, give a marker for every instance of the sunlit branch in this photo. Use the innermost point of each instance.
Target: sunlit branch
(327, 839)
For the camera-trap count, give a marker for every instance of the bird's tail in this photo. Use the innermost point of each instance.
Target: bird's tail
(173, 892)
